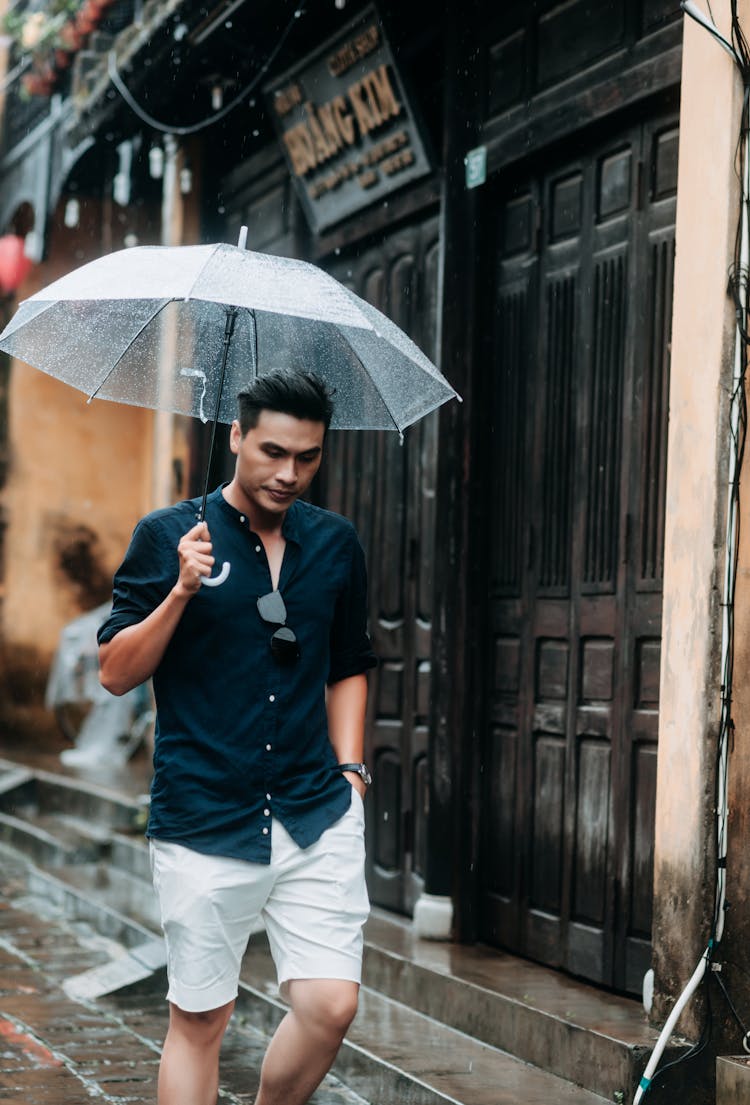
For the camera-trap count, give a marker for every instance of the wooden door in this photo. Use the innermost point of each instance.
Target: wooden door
(577, 456)
(387, 490)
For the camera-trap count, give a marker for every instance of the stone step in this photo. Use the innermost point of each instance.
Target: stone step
(732, 1080)
(48, 793)
(84, 903)
(68, 825)
(84, 833)
(393, 1055)
(397, 1056)
(126, 893)
(14, 776)
(49, 841)
(588, 1036)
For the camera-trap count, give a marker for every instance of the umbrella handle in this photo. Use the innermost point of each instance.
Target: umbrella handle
(216, 581)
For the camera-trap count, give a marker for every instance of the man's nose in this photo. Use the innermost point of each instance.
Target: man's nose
(287, 472)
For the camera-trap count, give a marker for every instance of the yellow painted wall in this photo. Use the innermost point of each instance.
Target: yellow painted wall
(71, 465)
(78, 479)
(702, 341)
(79, 476)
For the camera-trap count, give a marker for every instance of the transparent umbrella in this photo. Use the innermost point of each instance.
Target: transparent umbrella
(184, 328)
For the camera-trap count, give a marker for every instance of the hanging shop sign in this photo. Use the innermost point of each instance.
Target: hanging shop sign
(344, 122)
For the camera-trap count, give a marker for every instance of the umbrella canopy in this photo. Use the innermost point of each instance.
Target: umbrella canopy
(147, 325)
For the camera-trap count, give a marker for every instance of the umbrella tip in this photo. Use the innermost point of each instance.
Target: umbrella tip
(242, 240)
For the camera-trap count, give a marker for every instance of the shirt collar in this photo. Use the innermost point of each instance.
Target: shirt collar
(290, 529)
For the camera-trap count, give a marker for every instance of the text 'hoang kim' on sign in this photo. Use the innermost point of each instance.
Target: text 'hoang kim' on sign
(348, 133)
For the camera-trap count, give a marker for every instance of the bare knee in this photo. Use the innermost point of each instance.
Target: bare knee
(329, 1006)
(204, 1028)
(340, 1010)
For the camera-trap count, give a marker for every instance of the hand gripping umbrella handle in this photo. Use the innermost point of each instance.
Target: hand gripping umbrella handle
(216, 581)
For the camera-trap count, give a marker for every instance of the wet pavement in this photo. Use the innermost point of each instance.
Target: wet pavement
(438, 1023)
(55, 1051)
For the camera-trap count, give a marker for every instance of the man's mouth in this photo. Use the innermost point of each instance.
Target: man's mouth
(279, 495)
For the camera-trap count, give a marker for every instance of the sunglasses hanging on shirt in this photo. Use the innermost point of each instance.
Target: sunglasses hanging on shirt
(284, 645)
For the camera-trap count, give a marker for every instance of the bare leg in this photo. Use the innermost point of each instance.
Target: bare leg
(307, 1040)
(189, 1071)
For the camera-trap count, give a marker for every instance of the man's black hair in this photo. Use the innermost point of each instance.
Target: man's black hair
(301, 394)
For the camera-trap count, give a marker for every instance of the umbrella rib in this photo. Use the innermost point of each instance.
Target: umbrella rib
(199, 274)
(130, 344)
(367, 374)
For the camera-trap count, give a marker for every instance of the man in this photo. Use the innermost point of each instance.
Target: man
(260, 690)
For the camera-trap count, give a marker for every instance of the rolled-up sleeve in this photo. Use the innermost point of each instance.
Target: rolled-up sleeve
(351, 648)
(142, 581)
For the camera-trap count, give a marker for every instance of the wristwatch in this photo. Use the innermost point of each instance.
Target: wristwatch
(360, 769)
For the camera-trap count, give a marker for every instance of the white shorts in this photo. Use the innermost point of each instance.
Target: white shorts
(312, 902)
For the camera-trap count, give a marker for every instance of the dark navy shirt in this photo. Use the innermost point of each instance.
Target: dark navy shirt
(239, 738)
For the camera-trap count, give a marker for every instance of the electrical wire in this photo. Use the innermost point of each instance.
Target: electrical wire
(745, 1030)
(738, 49)
(732, 1007)
(699, 1046)
(691, 8)
(193, 128)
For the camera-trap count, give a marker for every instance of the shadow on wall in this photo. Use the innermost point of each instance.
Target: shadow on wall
(78, 564)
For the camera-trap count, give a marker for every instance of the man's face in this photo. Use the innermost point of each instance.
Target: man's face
(277, 459)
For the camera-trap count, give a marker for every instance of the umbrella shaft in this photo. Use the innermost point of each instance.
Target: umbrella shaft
(228, 331)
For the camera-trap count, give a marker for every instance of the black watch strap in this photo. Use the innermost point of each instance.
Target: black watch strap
(358, 769)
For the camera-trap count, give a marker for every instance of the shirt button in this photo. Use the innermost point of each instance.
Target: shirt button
(268, 798)
(266, 813)
(272, 698)
(242, 517)
(268, 748)
(257, 548)
(265, 831)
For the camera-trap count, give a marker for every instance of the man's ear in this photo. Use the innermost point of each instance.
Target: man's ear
(235, 437)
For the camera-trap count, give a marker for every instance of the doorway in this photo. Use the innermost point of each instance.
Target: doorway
(576, 448)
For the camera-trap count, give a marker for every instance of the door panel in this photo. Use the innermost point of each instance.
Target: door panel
(580, 331)
(646, 506)
(388, 490)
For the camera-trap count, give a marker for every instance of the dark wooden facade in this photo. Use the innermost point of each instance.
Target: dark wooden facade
(581, 312)
(515, 542)
(549, 728)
